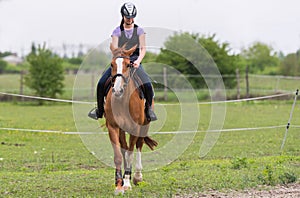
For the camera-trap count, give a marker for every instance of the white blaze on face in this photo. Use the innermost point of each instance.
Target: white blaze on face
(118, 81)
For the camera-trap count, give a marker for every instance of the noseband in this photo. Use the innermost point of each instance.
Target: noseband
(126, 80)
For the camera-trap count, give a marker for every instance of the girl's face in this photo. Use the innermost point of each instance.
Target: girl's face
(128, 21)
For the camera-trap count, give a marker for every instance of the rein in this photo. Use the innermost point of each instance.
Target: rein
(127, 57)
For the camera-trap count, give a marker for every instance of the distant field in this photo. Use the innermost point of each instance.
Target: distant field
(259, 85)
(58, 165)
(11, 83)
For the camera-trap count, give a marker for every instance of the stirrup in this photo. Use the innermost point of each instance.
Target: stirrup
(95, 114)
(151, 115)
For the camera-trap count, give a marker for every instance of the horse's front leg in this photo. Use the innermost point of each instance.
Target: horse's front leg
(126, 158)
(128, 161)
(128, 169)
(114, 138)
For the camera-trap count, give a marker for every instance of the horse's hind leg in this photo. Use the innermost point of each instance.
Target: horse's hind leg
(138, 176)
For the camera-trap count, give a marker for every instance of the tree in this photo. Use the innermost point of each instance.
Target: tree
(291, 64)
(46, 73)
(220, 53)
(149, 57)
(3, 54)
(260, 56)
(194, 52)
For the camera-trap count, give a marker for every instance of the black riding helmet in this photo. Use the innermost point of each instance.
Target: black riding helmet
(128, 10)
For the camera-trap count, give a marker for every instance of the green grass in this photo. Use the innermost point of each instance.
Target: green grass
(58, 165)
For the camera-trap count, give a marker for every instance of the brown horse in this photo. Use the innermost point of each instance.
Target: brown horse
(124, 111)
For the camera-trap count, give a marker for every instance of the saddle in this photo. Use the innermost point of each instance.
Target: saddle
(137, 81)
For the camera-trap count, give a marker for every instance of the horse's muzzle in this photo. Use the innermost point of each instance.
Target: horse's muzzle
(118, 92)
(118, 88)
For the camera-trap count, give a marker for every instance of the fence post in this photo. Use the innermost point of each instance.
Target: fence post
(247, 82)
(165, 84)
(289, 122)
(277, 84)
(238, 96)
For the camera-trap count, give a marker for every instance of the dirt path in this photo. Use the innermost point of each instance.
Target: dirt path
(290, 191)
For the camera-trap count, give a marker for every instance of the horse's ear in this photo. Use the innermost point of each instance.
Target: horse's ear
(131, 50)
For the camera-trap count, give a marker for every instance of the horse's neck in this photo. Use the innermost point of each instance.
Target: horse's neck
(130, 88)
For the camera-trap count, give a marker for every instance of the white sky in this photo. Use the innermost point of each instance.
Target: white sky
(239, 22)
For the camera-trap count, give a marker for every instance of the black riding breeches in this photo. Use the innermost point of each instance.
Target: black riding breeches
(140, 72)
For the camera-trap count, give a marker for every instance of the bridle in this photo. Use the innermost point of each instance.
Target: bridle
(126, 80)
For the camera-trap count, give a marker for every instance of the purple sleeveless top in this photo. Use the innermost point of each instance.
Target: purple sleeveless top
(128, 33)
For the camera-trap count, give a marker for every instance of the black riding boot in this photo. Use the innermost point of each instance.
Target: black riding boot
(100, 104)
(148, 106)
(98, 112)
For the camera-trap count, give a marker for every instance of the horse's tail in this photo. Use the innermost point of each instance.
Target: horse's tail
(150, 142)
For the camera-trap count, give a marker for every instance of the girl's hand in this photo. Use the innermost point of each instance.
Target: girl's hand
(136, 64)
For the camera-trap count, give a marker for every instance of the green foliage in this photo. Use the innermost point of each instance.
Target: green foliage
(241, 62)
(46, 74)
(220, 53)
(239, 163)
(13, 69)
(287, 178)
(3, 66)
(75, 60)
(3, 54)
(150, 57)
(266, 176)
(70, 67)
(179, 54)
(291, 64)
(190, 53)
(259, 56)
(72, 64)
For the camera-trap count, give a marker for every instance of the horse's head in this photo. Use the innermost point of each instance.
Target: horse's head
(120, 69)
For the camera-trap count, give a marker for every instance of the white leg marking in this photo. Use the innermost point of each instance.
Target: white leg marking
(128, 161)
(138, 176)
(138, 165)
(127, 185)
(128, 158)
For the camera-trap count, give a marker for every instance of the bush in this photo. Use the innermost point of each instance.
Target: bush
(46, 73)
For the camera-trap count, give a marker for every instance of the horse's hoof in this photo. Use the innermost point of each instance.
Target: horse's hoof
(126, 184)
(136, 181)
(119, 191)
(127, 188)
